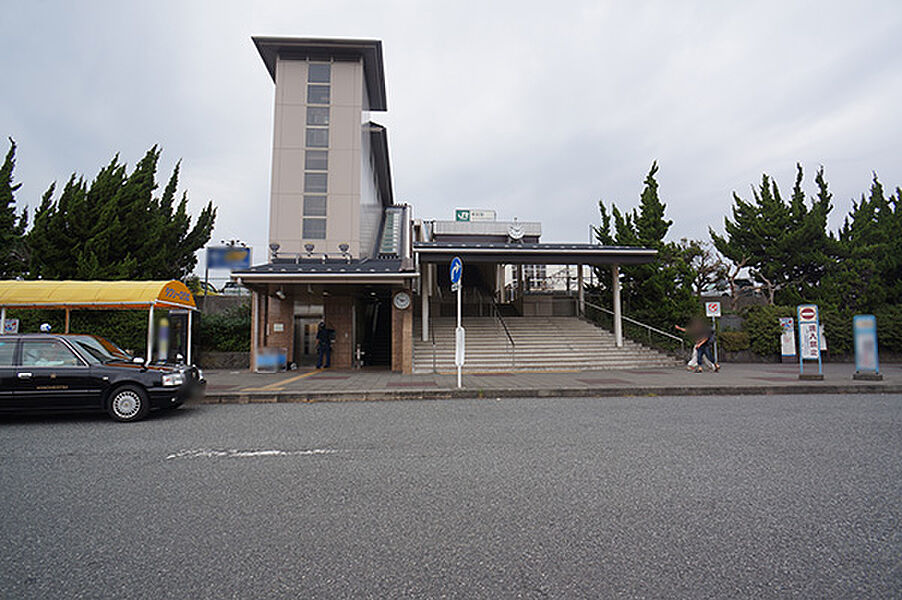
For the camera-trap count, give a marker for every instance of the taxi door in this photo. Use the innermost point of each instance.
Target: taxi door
(7, 372)
(51, 375)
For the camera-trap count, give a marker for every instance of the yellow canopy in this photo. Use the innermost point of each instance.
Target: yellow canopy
(95, 294)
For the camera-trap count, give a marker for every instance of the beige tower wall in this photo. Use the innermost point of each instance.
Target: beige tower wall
(343, 204)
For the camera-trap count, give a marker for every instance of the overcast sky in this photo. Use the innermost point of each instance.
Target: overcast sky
(534, 109)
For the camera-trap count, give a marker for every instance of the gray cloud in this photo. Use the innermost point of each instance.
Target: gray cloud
(534, 110)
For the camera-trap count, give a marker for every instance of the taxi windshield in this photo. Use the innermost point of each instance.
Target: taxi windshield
(99, 349)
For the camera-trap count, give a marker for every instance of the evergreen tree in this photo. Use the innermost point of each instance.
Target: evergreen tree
(115, 228)
(784, 244)
(12, 225)
(659, 293)
(868, 272)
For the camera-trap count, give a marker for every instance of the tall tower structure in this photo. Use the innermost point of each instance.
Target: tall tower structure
(331, 179)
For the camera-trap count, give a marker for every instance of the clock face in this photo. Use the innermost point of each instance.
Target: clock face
(402, 300)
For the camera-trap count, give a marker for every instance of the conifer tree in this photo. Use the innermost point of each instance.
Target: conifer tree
(115, 228)
(12, 225)
(659, 293)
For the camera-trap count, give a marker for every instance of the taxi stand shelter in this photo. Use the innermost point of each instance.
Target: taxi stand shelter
(99, 295)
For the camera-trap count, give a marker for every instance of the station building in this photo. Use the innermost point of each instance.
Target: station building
(343, 249)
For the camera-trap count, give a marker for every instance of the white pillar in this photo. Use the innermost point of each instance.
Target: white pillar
(582, 291)
(2, 320)
(188, 342)
(149, 357)
(425, 293)
(618, 320)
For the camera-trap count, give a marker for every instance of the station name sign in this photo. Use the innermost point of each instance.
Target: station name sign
(474, 214)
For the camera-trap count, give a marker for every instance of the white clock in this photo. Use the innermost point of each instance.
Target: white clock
(402, 300)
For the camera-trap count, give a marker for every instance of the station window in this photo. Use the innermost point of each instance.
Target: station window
(317, 138)
(314, 206)
(316, 160)
(314, 229)
(318, 115)
(318, 94)
(319, 72)
(315, 182)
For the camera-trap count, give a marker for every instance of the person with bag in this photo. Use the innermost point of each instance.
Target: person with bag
(696, 334)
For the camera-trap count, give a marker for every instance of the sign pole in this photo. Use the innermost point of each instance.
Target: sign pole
(459, 365)
(456, 271)
(714, 327)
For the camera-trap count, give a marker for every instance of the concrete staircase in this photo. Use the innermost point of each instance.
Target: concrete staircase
(541, 343)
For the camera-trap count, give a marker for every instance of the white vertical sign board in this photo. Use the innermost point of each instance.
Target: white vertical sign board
(809, 336)
(787, 337)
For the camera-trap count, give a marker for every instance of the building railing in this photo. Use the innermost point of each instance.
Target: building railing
(510, 340)
(671, 340)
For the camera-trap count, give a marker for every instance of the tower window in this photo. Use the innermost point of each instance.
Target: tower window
(318, 94)
(314, 229)
(316, 160)
(317, 115)
(315, 182)
(317, 138)
(319, 72)
(314, 206)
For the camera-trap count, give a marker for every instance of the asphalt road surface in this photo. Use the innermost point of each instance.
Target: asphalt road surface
(751, 497)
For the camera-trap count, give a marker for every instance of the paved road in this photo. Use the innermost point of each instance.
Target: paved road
(751, 497)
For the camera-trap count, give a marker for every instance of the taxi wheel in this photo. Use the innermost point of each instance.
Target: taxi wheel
(128, 403)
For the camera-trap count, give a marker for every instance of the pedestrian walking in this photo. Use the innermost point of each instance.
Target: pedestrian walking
(696, 333)
(705, 347)
(324, 337)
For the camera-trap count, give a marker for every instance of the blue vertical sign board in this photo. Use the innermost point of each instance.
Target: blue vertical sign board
(864, 328)
(809, 337)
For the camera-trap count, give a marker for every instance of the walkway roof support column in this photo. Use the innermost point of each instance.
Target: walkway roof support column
(582, 292)
(618, 318)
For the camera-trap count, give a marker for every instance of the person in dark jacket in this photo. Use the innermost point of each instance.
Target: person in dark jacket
(323, 345)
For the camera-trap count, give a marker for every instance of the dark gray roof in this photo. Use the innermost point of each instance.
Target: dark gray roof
(336, 268)
(533, 253)
(270, 48)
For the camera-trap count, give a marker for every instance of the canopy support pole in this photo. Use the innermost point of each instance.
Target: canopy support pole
(149, 336)
(582, 291)
(188, 349)
(2, 320)
(67, 320)
(618, 321)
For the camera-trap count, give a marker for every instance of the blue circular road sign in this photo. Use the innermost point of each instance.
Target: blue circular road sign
(457, 269)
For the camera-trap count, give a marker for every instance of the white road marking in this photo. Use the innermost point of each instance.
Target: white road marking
(211, 453)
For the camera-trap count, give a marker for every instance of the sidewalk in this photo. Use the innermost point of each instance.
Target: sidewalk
(371, 384)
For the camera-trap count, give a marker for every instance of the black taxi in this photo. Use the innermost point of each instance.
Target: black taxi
(86, 372)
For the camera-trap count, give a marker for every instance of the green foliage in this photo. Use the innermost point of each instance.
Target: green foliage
(762, 325)
(659, 293)
(114, 227)
(868, 273)
(12, 225)
(889, 328)
(733, 341)
(784, 244)
(229, 331)
(126, 328)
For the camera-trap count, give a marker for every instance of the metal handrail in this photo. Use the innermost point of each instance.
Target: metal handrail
(496, 309)
(649, 328)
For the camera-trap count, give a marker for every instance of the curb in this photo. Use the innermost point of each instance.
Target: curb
(452, 394)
